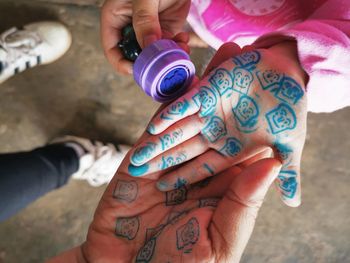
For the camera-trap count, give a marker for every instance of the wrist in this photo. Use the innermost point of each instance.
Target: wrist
(289, 51)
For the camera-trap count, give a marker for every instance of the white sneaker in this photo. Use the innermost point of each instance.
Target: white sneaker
(98, 162)
(37, 43)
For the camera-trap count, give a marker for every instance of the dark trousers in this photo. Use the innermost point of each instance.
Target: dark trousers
(26, 176)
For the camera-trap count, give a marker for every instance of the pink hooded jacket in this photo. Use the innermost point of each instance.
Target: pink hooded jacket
(320, 27)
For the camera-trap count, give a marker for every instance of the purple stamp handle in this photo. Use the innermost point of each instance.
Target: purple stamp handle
(163, 70)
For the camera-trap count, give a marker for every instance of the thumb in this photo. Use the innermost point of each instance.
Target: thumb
(145, 21)
(235, 216)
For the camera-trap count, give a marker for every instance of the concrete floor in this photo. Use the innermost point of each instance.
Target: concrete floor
(81, 95)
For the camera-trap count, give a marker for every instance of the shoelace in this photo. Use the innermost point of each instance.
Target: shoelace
(98, 173)
(17, 43)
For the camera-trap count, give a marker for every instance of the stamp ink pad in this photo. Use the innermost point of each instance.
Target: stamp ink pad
(163, 70)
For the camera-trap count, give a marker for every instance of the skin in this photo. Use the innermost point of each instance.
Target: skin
(151, 19)
(224, 120)
(209, 222)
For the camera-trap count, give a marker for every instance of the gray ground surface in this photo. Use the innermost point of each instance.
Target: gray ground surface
(81, 95)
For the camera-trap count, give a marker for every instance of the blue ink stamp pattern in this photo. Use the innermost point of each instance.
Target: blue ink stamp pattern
(288, 183)
(215, 129)
(205, 99)
(246, 112)
(176, 197)
(176, 109)
(232, 147)
(247, 60)
(283, 150)
(289, 91)
(172, 160)
(127, 227)
(221, 80)
(281, 118)
(205, 202)
(209, 169)
(168, 140)
(269, 79)
(142, 154)
(242, 80)
(187, 235)
(151, 129)
(180, 183)
(145, 254)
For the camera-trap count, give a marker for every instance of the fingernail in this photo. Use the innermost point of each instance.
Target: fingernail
(130, 70)
(151, 128)
(147, 40)
(138, 170)
(162, 186)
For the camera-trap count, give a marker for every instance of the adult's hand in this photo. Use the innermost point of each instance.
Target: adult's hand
(152, 20)
(207, 222)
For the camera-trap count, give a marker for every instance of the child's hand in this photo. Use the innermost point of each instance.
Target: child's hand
(152, 20)
(252, 101)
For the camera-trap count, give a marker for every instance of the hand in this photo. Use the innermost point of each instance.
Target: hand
(152, 20)
(253, 101)
(208, 222)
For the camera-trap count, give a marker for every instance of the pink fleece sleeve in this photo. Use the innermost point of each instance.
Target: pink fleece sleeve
(324, 52)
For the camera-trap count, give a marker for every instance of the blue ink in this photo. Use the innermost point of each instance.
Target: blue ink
(143, 154)
(269, 79)
(172, 161)
(176, 109)
(248, 59)
(242, 80)
(221, 80)
(145, 254)
(173, 81)
(161, 185)
(138, 170)
(151, 129)
(246, 112)
(232, 147)
(288, 183)
(281, 118)
(215, 129)
(180, 183)
(283, 150)
(187, 235)
(207, 167)
(170, 139)
(289, 91)
(206, 100)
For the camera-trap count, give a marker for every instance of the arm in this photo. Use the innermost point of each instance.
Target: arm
(323, 47)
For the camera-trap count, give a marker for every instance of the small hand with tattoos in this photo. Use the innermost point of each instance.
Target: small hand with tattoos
(254, 100)
(210, 221)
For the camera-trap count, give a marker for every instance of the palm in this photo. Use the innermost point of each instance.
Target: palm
(247, 104)
(135, 222)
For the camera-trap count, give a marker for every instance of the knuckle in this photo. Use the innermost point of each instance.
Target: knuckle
(142, 17)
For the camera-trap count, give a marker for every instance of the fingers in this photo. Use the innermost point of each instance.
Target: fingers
(146, 21)
(175, 135)
(178, 155)
(226, 51)
(288, 181)
(114, 16)
(234, 218)
(174, 112)
(205, 165)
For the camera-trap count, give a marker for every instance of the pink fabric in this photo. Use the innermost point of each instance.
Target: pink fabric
(320, 27)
